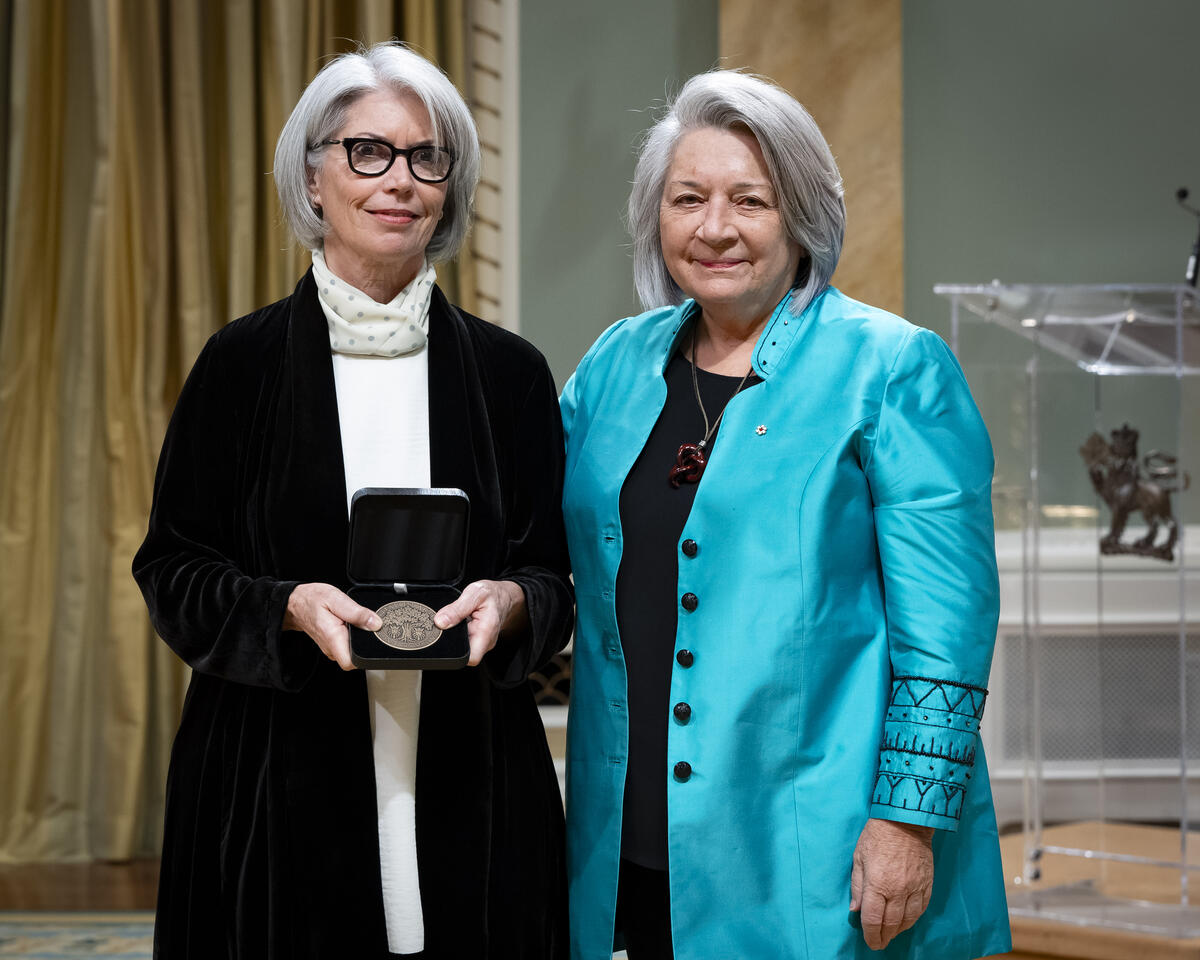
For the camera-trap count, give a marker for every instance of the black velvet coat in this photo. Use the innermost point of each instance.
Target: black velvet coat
(271, 846)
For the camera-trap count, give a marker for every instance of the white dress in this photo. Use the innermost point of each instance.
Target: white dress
(383, 409)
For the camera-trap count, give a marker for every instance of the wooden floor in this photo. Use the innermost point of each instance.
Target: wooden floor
(116, 886)
(1122, 880)
(79, 886)
(132, 886)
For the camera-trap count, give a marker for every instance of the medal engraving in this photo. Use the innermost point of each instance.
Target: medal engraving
(407, 625)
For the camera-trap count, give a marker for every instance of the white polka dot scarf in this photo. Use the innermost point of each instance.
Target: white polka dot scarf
(360, 326)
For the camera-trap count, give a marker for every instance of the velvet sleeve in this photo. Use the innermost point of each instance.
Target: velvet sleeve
(930, 470)
(536, 540)
(217, 617)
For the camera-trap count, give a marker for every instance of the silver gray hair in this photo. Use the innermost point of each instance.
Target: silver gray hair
(322, 111)
(803, 174)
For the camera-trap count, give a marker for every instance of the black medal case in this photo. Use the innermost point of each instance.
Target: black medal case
(407, 546)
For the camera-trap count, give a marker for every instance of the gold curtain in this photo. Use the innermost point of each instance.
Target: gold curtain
(138, 216)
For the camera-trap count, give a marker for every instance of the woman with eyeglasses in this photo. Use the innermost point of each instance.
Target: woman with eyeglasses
(315, 810)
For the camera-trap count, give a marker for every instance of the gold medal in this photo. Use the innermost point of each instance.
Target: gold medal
(407, 625)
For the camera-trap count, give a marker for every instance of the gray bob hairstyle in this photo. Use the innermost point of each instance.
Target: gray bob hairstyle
(803, 174)
(322, 111)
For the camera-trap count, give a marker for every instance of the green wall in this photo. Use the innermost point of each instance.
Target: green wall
(589, 73)
(1043, 142)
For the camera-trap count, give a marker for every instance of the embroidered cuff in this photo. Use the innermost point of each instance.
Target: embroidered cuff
(928, 751)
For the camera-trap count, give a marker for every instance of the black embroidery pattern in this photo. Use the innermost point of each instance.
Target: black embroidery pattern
(928, 748)
(947, 695)
(918, 793)
(899, 741)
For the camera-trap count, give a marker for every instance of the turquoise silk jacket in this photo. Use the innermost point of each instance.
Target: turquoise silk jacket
(847, 605)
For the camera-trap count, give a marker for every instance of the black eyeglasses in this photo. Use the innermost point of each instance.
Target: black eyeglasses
(374, 158)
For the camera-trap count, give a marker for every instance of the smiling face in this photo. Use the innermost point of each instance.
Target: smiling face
(379, 227)
(723, 237)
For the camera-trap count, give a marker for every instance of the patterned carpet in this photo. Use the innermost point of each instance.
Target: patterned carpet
(43, 935)
(59, 936)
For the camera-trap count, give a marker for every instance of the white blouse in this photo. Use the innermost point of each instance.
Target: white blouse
(383, 409)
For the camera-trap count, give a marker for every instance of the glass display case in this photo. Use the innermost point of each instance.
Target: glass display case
(1091, 395)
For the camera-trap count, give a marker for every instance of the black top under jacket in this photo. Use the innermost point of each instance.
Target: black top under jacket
(271, 847)
(653, 514)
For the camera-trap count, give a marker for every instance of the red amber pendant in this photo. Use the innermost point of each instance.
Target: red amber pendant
(690, 462)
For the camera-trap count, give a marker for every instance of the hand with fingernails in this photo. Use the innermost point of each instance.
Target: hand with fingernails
(323, 612)
(490, 607)
(891, 879)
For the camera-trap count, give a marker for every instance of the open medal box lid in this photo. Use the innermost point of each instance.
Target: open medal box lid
(407, 549)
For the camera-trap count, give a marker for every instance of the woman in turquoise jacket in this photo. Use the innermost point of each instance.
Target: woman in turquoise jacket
(778, 507)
